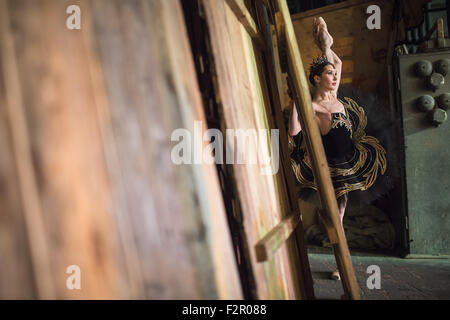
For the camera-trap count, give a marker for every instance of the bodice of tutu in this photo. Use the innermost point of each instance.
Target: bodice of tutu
(337, 142)
(357, 161)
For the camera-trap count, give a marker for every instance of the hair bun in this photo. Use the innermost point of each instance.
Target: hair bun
(317, 62)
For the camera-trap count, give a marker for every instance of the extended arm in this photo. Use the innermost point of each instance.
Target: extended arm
(324, 41)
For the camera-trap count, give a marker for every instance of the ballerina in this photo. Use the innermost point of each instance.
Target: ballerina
(357, 161)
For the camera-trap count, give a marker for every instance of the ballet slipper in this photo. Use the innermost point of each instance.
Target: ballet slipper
(335, 275)
(320, 34)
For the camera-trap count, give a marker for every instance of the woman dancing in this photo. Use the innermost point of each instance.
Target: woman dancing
(357, 161)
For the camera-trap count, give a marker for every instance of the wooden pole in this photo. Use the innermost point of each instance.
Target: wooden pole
(440, 28)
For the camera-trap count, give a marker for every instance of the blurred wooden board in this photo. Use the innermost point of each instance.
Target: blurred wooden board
(88, 114)
(245, 103)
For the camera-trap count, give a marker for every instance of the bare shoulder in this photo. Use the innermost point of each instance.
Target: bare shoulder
(316, 107)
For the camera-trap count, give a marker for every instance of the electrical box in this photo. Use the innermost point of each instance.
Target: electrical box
(423, 99)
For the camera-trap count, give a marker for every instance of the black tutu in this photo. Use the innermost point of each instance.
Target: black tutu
(362, 152)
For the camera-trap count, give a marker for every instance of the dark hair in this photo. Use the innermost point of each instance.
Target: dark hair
(317, 71)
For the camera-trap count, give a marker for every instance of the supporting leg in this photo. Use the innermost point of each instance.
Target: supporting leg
(342, 204)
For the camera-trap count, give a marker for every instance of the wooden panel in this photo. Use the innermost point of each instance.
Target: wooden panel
(91, 113)
(245, 102)
(244, 16)
(16, 267)
(276, 39)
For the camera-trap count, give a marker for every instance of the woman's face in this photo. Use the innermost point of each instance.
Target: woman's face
(328, 78)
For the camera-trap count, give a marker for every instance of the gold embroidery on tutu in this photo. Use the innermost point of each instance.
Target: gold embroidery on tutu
(359, 139)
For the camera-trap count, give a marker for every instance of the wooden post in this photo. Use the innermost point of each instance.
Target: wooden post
(440, 28)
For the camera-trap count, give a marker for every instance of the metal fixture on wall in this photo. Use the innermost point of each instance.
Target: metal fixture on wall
(433, 81)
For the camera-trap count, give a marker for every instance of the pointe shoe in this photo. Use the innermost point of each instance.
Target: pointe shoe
(335, 275)
(321, 36)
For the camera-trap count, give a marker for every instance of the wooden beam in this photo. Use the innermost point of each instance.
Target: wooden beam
(281, 36)
(21, 145)
(315, 149)
(440, 28)
(329, 8)
(273, 240)
(245, 18)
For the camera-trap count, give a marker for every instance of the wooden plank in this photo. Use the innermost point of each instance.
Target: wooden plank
(243, 15)
(90, 115)
(301, 277)
(245, 105)
(272, 81)
(318, 158)
(281, 43)
(16, 267)
(329, 8)
(34, 220)
(273, 240)
(177, 259)
(277, 88)
(440, 28)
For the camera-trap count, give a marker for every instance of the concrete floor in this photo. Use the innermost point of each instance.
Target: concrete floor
(401, 279)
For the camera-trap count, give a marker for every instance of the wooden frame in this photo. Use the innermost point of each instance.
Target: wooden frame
(319, 163)
(273, 240)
